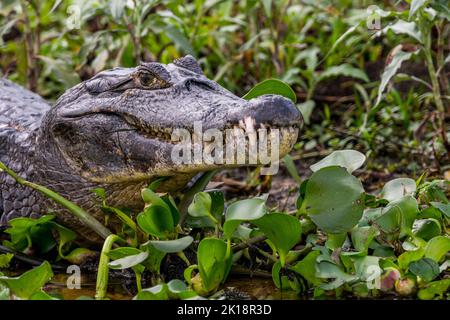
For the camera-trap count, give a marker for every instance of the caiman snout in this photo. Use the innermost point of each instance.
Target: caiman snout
(274, 110)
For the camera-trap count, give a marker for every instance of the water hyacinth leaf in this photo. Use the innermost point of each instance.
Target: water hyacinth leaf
(398, 216)
(213, 261)
(80, 255)
(172, 246)
(334, 199)
(29, 282)
(280, 281)
(123, 252)
(427, 228)
(156, 220)
(154, 260)
(176, 286)
(442, 207)
(271, 86)
(362, 237)
(5, 259)
(398, 188)
(150, 197)
(407, 257)
(283, 230)
(243, 210)
(201, 205)
(41, 295)
(329, 270)
(158, 292)
(129, 261)
(349, 159)
(307, 268)
(425, 268)
(437, 248)
(367, 268)
(433, 289)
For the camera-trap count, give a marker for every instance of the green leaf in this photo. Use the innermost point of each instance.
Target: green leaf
(172, 246)
(41, 295)
(425, 268)
(280, 281)
(271, 86)
(433, 289)
(328, 270)
(80, 255)
(243, 210)
(427, 228)
(156, 220)
(442, 207)
(5, 259)
(158, 292)
(404, 27)
(117, 8)
(391, 69)
(306, 108)
(349, 159)
(398, 217)
(213, 260)
(292, 169)
(334, 199)
(409, 256)
(180, 40)
(307, 268)
(29, 282)
(362, 237)
(346, 70)
(437, 248)
(201, 205)
(129, 261)
(415, 6)
(398, 188)
(283, 230)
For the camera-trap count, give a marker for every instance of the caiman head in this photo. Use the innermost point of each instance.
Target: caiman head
(118, 126)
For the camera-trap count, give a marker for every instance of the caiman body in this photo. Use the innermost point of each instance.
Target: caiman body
(114, 132)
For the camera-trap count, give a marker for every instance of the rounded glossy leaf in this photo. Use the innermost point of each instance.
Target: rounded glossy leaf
(425, 268)
(212, 262)
(243, 210)
(129, 261)
(156, 220)
(334, 200)
(271, 86)
(437, 248)
(201, 205)
(398, 188)
(349, 159)
(427, 228)
(172, 246)
(283, 230)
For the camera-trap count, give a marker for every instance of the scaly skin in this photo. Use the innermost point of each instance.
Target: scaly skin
(113, 131)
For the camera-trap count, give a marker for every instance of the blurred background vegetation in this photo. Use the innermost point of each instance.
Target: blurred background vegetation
(324, 49)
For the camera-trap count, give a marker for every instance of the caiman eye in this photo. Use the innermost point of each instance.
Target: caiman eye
(147, 80)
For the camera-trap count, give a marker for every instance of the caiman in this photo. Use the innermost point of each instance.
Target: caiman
(113, 131)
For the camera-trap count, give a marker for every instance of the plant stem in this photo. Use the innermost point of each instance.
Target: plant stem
(248, 243)
(198, 186)
(85, 217)
(436, 89)
(103, 268)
